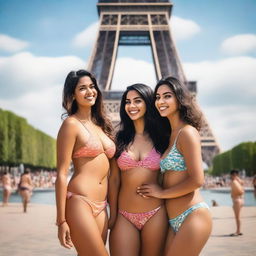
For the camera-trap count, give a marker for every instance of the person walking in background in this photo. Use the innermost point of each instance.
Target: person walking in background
(25, 189)
(138, 224)
(237, 194)
(189, 217)
(7, 188)
(85, 138)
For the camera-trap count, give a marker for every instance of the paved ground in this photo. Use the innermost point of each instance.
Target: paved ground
(34, 233)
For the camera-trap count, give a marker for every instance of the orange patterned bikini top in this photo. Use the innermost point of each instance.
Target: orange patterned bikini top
(94, 147)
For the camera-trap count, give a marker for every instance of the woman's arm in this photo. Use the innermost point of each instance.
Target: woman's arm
(65, 143)
(113, 191)
(190, 147)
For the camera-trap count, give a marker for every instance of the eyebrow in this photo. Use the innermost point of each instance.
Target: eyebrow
(138, 97)
(81, 85)
(165, 93)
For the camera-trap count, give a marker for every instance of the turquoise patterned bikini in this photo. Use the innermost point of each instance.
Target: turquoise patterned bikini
(174, 161)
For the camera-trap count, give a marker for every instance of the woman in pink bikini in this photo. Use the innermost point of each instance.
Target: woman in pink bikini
(138, 225)
(84, 138)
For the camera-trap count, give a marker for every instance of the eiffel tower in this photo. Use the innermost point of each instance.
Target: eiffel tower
(140, 22)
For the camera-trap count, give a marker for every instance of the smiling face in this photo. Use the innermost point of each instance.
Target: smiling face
(135, 106)
(85, 93)
(166, 101)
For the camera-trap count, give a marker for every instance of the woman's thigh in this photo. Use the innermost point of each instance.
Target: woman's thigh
(153, 235)
(124, 238)
(192, 235)
(84, 230)
(102, 222)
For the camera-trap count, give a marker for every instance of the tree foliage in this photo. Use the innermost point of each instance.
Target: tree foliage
(242, 156)
(22, 143)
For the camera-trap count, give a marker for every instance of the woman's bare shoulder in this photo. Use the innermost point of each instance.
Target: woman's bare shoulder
(69, 125)
(189, 132)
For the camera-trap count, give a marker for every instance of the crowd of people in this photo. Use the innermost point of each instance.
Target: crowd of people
(224, 181)
(25, 183)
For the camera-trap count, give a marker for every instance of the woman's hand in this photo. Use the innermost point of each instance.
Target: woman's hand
(150, 190)
(64, 235)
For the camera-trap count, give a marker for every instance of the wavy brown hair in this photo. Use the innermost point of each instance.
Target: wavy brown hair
(188, 109)
(98, 114)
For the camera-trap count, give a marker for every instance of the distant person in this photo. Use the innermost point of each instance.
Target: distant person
(254, 185)
(214, 203)
(85, 139)
(7, 188)
(25, 189)
(237, 193)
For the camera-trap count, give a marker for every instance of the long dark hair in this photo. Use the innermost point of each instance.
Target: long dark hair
(126, 133)
(188, 109)
(70, 104)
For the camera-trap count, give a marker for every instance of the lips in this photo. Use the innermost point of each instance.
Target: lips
(89, 98)
(133, 112)
(162, 108)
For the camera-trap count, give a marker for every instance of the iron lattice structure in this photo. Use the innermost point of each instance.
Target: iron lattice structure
(140, 22)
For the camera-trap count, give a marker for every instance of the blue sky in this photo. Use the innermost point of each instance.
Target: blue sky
(42, 40)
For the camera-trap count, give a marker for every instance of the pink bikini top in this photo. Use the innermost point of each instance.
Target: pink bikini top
(94, 147)
(151, 161)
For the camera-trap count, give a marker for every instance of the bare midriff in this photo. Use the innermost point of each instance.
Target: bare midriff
(90, 178)
(129, 200)
(176, 206)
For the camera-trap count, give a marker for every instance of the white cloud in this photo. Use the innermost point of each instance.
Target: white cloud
(239, 44)
(224, 82)
(129, 71)
(11, 44)
(87, 37)
(226, 94)
(183, 29)
(24, 72)
(42, 109)
(31, 86)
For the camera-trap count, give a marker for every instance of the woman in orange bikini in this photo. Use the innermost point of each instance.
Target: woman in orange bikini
(138, 225)
(84, 138)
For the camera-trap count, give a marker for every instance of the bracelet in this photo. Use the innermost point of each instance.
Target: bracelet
(60, 223)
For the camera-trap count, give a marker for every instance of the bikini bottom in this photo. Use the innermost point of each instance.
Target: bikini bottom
(23, 188)
(139, 219)
(176, 222)
(96, 206)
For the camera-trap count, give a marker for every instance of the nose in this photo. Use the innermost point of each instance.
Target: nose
(132, 104)
(89, 91)
(160, 101)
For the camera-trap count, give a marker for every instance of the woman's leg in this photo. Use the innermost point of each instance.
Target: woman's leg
(5, 197)
(25, 195)
(124, 238)
(192, 235)
(8, 194)
(84, 229)
(102, 222)
(153, 234)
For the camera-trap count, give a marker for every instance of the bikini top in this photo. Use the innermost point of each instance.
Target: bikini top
(151, 161)
(174, 161)
(94, 147)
